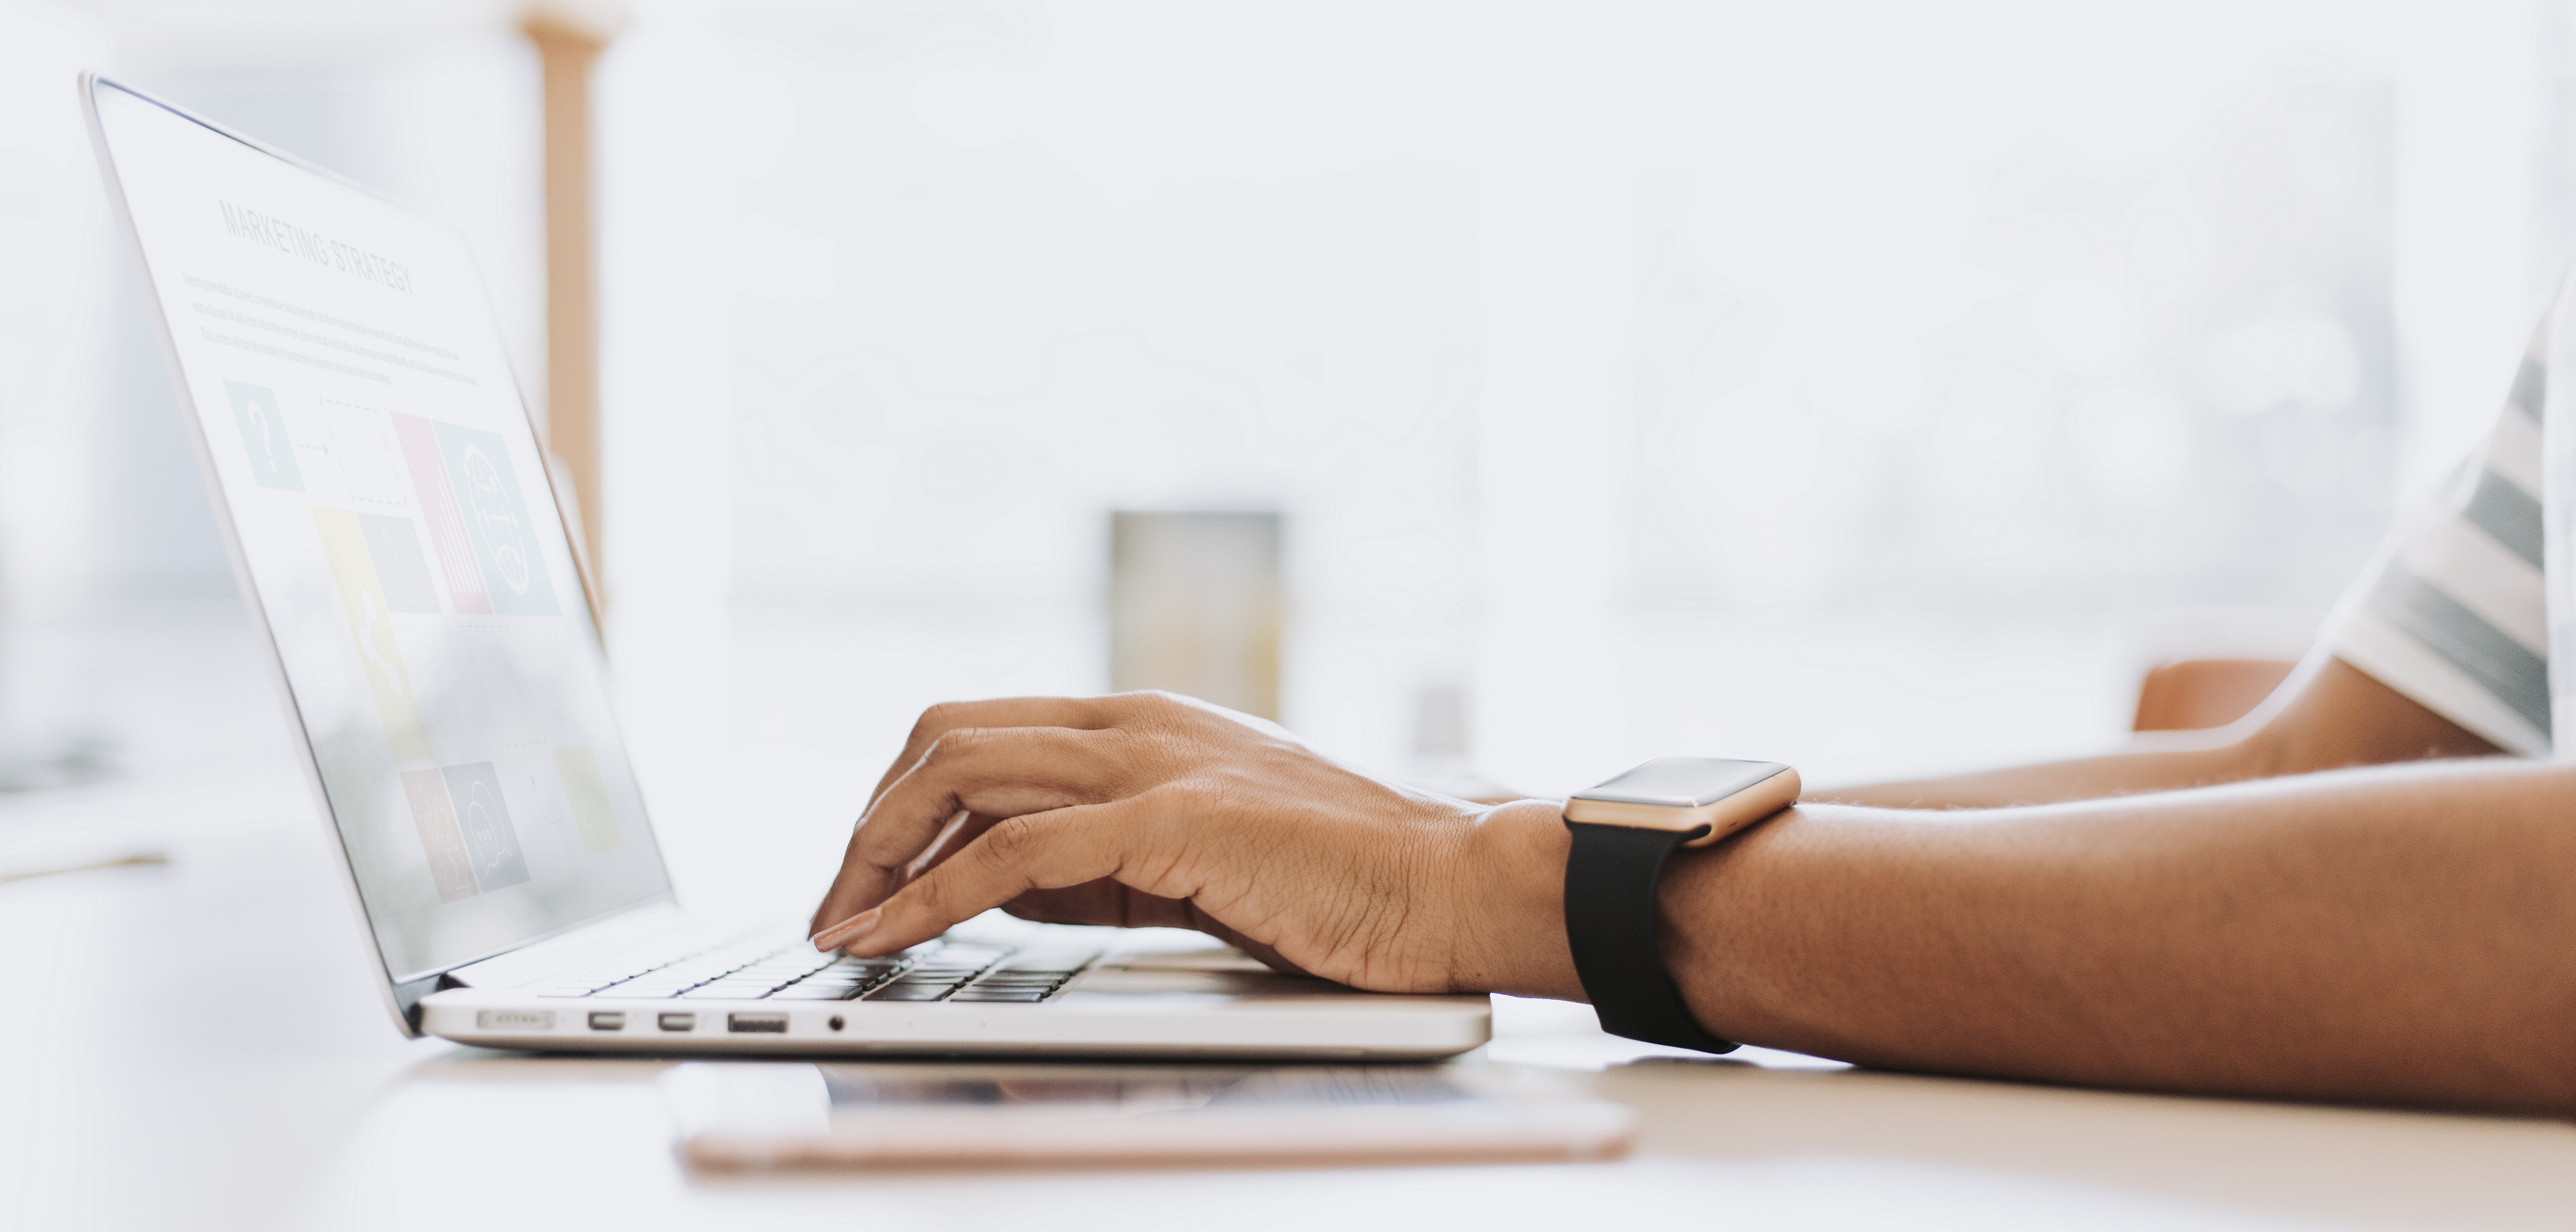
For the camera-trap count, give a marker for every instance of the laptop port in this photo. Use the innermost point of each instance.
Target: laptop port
(608, 1020)
(515, 1020)
(765, 1024)
(679, 1022)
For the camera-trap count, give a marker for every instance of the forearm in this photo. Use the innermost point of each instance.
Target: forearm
(2404, 935)
(2328, 718)
(2161, 762)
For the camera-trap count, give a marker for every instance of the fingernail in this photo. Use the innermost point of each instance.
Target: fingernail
(846, 931)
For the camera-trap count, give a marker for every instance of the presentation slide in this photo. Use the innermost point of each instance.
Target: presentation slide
(404, 545)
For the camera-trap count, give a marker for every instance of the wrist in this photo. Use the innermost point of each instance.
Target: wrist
(1719, 909)
(1511, 908)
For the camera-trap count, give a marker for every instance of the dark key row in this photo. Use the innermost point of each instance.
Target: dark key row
(1028, 978)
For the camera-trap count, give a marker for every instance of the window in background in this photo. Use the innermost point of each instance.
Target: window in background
(1860, 385)
(2076, 387)
(1857, 384)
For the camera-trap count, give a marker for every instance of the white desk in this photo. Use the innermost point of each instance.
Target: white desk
(194, 1046)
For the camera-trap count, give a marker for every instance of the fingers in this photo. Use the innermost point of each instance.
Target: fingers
(980, 756)
(960, 830)
(946, 717)
(857, 889)
(998, 772)
(1002, 772)
(1045, 851)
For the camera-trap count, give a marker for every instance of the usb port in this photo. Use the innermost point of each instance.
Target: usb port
(768, 1024)
(679, 1022)
(608, 1020)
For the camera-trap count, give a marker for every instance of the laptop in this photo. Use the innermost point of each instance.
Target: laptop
(400, 539)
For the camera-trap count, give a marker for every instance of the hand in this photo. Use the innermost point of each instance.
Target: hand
(1149, 809)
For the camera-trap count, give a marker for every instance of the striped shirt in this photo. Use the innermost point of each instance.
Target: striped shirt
(2455, 614)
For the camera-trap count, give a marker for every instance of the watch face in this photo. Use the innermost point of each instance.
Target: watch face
(1682, 782)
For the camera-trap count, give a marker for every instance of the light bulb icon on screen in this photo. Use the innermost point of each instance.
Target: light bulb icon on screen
(272, 434)
(265, 438)
(499, 522)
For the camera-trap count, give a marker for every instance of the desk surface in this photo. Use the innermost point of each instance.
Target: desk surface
(194, 1045)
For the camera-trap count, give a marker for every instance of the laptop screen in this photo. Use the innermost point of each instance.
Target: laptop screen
(399, 534)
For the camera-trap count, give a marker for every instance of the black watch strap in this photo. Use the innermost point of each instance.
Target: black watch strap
(1611, 877)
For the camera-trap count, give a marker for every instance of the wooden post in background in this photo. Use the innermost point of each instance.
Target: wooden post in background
(1197, 605)
(569, 39)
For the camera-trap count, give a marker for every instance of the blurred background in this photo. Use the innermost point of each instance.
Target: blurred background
(1875, 387)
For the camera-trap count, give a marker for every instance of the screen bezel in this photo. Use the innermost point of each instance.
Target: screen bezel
(401, 995)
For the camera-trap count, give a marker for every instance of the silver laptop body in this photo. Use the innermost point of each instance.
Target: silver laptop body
(398, 535)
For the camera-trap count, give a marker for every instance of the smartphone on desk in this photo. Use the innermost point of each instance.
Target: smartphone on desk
(747, 1115)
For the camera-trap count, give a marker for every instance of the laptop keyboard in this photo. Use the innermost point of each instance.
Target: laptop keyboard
(941, 971)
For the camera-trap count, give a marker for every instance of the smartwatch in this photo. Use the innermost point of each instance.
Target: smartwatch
(1623, 830)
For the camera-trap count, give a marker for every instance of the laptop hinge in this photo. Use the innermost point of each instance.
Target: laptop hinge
(407, 996)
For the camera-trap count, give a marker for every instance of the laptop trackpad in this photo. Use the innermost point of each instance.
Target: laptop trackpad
(1219, 970)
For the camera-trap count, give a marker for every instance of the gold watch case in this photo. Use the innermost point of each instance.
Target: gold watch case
(1681, 793)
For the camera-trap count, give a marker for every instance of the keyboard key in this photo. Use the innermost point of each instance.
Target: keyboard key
(1065, 964)
(804, 992)
(900, 991)
(992, 995)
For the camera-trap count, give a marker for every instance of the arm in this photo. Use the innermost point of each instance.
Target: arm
(2397, 934)
(2405, 934)
(2335, 717)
